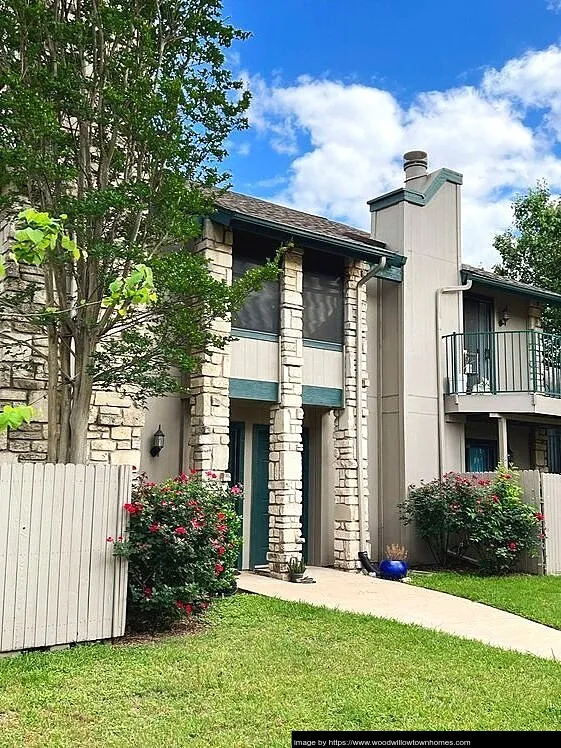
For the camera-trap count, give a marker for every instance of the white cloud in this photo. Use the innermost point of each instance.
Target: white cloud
(554, 5)
(346, 141)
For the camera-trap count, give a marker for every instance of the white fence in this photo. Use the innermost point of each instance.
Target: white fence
(543, 490)
(59, 580)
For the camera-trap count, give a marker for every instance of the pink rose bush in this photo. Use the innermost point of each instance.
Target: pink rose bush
(181, 543)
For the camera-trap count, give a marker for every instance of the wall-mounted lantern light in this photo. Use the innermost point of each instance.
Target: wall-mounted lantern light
(504, 318)
(158, 441)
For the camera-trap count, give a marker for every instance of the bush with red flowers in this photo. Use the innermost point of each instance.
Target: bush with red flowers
(505, 527)
(182, 543)
(467, 514)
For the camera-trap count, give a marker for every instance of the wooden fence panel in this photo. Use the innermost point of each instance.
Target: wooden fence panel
(551, 486)
(530, 480)
(59, 580)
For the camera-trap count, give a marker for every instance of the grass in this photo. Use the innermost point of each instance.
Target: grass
(264, 667)
(530, 596)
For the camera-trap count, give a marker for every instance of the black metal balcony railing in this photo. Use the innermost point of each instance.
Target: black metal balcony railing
(493, 362)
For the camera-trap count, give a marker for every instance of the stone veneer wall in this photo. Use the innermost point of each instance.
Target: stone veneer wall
(115, 425)
(346, 510)
(285, 448)
(210, 387)
(538, 449)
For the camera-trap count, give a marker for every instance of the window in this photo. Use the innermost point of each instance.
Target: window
(481, 456)
(323, 297)
(261, 309)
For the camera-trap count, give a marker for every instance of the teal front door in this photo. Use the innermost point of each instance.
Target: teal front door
(236, 469)
(259, 533)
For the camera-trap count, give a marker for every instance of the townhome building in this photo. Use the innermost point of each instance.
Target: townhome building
(376, 361)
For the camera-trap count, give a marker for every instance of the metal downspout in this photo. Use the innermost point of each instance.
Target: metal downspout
(372, 273)
(440, 393)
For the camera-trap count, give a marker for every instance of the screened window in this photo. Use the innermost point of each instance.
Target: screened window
(323, 298)
(261, 309)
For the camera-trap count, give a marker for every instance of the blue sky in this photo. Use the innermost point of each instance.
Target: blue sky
(342, 89)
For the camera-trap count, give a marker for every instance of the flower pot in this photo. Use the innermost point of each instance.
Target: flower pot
(296, 577)
(394, 570)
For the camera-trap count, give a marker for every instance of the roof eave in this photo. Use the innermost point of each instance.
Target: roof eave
(307, 239)
(547, 297)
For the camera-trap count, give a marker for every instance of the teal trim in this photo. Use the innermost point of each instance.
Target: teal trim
(249, 389)
(328, 396)
(255, 335)
(404, 194)
(391, 273)
(304, 239)
(549, 297)
(323, 345)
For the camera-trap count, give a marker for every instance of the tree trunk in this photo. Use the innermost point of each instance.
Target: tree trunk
(65, 398)
(79, 415)
(81, 402)
(52, 397)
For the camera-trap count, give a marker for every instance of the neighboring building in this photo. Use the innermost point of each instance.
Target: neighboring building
(453, 373)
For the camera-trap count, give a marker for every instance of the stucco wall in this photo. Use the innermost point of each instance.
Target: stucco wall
(166, 412)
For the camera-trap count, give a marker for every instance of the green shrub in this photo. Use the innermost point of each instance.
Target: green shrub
(442, 511)
(466, 514)
(181, 544)
(504, 526)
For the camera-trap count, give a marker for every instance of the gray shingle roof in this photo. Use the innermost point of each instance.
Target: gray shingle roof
(486, 277)
(288, 218)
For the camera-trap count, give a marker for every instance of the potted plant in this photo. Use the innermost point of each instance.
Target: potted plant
(394, 566)
(296, 569)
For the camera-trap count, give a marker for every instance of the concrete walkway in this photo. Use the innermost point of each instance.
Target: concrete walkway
(358, 593)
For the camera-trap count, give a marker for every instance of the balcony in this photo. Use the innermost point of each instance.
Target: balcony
(507, 372)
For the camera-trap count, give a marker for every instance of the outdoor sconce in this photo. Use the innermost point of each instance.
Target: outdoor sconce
(504, 318)
(157, 442)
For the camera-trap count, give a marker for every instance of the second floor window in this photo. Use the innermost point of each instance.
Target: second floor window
(260, 311)
(323, 297)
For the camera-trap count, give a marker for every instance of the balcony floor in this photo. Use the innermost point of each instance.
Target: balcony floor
(531, 403)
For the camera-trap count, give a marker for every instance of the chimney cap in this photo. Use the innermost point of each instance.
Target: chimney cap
(415, 164)
(415, 156)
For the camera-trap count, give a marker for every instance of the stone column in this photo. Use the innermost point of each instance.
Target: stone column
(285, 450)
(346, 510)
(209, 386)
(538, 449)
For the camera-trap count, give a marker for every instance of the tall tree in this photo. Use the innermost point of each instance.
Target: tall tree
(113, 118)
(531, 248)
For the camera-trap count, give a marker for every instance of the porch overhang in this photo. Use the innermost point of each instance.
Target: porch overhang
(507, 403)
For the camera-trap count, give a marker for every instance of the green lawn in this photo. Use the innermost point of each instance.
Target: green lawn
(537, 598)
(264, 667)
